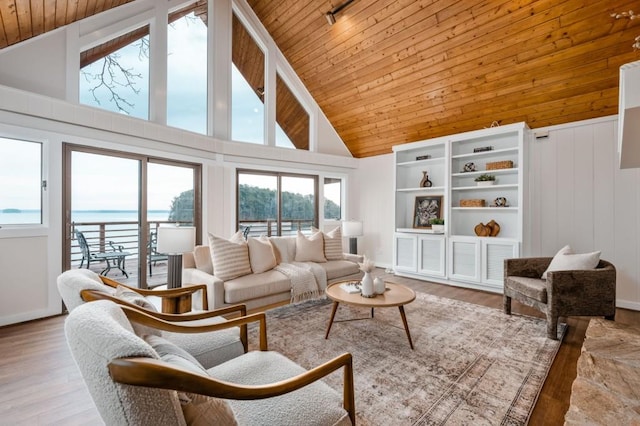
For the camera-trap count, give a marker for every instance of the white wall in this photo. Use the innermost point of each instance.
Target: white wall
(37, 65)
(372, 189)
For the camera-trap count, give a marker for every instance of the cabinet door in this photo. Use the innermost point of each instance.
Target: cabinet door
(464, 259)
(405, 253)
(493, 255)
(431, 255)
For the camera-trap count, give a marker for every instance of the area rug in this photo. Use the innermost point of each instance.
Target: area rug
(471, 364)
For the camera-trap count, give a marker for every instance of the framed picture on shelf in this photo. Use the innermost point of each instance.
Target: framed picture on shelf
(426, 207)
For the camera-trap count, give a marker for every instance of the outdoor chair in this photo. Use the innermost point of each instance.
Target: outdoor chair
(115, 258)
(154, 256)
(589, 292)
(78, 286)
(133, 380)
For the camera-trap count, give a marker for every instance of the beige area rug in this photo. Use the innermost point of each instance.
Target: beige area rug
(472, 365)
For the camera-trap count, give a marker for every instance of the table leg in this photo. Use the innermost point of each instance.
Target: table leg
(333, 314)
(371, 312)
(406, 325)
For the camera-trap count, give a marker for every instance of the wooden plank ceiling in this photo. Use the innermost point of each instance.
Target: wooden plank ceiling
(396, 71)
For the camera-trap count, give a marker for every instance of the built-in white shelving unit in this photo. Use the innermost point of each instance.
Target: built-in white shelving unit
(458, 256)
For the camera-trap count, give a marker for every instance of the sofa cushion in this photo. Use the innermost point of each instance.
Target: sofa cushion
(284, 249)
(261, 255)
(534, 288)
(339, 268)
(202, 256)
(230, 257)
(255, 285)
(310, 249)
(566, 260)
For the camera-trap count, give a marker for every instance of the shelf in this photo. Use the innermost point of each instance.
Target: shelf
(470, 188)
(418, 231)
(420, 189)
(487, 208)
(419, 162)
(485, 153)
(513, 170)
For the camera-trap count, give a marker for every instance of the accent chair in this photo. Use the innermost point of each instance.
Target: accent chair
(564, 293)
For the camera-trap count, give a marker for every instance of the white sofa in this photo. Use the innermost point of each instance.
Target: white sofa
(257, 290)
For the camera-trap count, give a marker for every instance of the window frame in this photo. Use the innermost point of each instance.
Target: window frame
(31, 229)
(279, 175)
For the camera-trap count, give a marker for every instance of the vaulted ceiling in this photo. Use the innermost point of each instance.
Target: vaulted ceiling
(396, 71)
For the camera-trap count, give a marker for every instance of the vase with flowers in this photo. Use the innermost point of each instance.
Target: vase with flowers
(367, 266)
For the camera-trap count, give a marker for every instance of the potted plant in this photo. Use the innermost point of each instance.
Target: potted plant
(437, 224)
(485, 180)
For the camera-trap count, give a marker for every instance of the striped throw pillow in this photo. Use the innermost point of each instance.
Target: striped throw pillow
(230, 257)
(333, 244)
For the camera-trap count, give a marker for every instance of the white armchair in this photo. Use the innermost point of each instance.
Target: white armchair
(78, 286)
(134, 382)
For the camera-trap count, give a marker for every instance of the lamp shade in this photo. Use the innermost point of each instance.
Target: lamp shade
(176, 239)
(352, 228)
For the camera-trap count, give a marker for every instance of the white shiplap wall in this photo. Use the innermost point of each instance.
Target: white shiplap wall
(579, 196)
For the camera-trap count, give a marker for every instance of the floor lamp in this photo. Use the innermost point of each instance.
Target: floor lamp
(352, 229)
(173, 241)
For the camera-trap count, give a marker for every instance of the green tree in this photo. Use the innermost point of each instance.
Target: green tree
(182, 207)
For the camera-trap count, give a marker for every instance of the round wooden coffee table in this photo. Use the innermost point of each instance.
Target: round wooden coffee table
(396, 295)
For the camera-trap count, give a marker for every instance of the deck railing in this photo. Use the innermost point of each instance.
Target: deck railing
(269, 227)
(99, 234)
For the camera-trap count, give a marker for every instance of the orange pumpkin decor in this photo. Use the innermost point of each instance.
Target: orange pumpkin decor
(491, 229)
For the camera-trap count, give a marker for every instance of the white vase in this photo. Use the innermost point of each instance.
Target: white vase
(437, 228)
(378, 285)
(486, 182)
(367, 285)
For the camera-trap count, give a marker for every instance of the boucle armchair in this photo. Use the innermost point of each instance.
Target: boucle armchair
(564, 293)
(78, 286)
(136, 381)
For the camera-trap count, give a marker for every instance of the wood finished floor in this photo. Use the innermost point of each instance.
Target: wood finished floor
(40, 383)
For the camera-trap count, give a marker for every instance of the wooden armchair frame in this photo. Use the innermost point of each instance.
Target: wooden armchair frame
(153, 373)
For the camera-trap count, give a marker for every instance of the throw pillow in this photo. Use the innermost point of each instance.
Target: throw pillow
(174, 355)
(202, 410)
(133, 297)
(197, 409)
(332, 243)
(230, 257)
(261, 255)
(203, 259)
(284, 248)
(310, 249)
(566, 260)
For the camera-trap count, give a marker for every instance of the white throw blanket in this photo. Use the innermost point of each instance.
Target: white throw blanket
(308, 280)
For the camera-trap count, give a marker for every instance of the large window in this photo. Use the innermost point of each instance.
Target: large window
(21, 182)
(272, 203)
(187, 68)
(115, 202)
(115, 75)
(247, 86)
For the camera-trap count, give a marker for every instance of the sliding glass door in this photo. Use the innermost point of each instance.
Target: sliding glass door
(113, 204)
